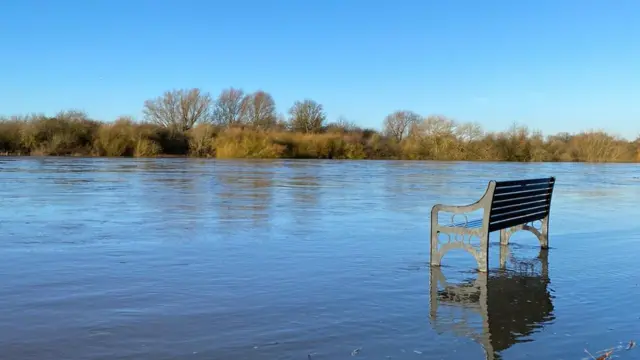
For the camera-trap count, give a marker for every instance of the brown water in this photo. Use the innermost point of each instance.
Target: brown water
(202, 259)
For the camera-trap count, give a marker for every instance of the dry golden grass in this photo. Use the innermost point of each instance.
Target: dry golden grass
(237, 143)
(39, 135)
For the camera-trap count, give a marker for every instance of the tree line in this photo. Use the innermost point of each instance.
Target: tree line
(235, 124)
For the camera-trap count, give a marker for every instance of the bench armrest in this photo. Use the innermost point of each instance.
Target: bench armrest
(483, 203)
(457, 209)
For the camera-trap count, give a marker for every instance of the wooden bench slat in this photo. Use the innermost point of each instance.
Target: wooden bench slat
(516, 221)
(546, 191)
(525, 182)
(516, 189)
(500, 210)
(519, 200)
(518, 213)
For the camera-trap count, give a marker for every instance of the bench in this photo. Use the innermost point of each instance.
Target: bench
(507, 206)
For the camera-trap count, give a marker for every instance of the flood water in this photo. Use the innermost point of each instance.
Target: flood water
(203, 259)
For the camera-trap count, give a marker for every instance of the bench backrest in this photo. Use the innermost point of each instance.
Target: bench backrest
(519, 202)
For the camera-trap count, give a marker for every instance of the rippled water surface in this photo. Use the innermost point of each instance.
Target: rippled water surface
(203, 259)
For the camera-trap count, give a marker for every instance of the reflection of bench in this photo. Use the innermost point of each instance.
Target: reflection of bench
(507, 206)
(511, 303)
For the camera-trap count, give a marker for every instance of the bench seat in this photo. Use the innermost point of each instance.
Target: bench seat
(471, 224)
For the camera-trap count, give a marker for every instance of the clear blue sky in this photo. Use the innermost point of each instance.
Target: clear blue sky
(561, 65)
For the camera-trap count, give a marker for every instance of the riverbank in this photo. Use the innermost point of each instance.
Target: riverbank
(83, 137)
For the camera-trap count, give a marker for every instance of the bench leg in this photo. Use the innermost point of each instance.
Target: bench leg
(505, 254)
(434, 254)
(544, 233)
(482, 256)
(543, 256)
(504, 237)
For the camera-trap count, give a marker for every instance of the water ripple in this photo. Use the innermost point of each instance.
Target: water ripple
(287, 259)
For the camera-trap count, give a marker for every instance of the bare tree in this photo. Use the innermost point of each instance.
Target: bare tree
(468, 132)
(398, 124)
(179, 109)
(598, 146)
(282, 123)
(72, 115)
(563, 137)
(342, 125)
(306, 116)
(230, 107)
(437, 137)
(260, 110)
(346, 124)
(437, 126)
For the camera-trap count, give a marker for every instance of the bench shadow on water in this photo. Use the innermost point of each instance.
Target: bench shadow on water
(496, 309)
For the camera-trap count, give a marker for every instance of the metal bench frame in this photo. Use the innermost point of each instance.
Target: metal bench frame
(508, 206)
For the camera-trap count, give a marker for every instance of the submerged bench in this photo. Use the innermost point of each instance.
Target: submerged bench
(508, 206)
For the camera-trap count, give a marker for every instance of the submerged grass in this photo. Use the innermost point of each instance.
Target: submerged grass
(608, 354)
